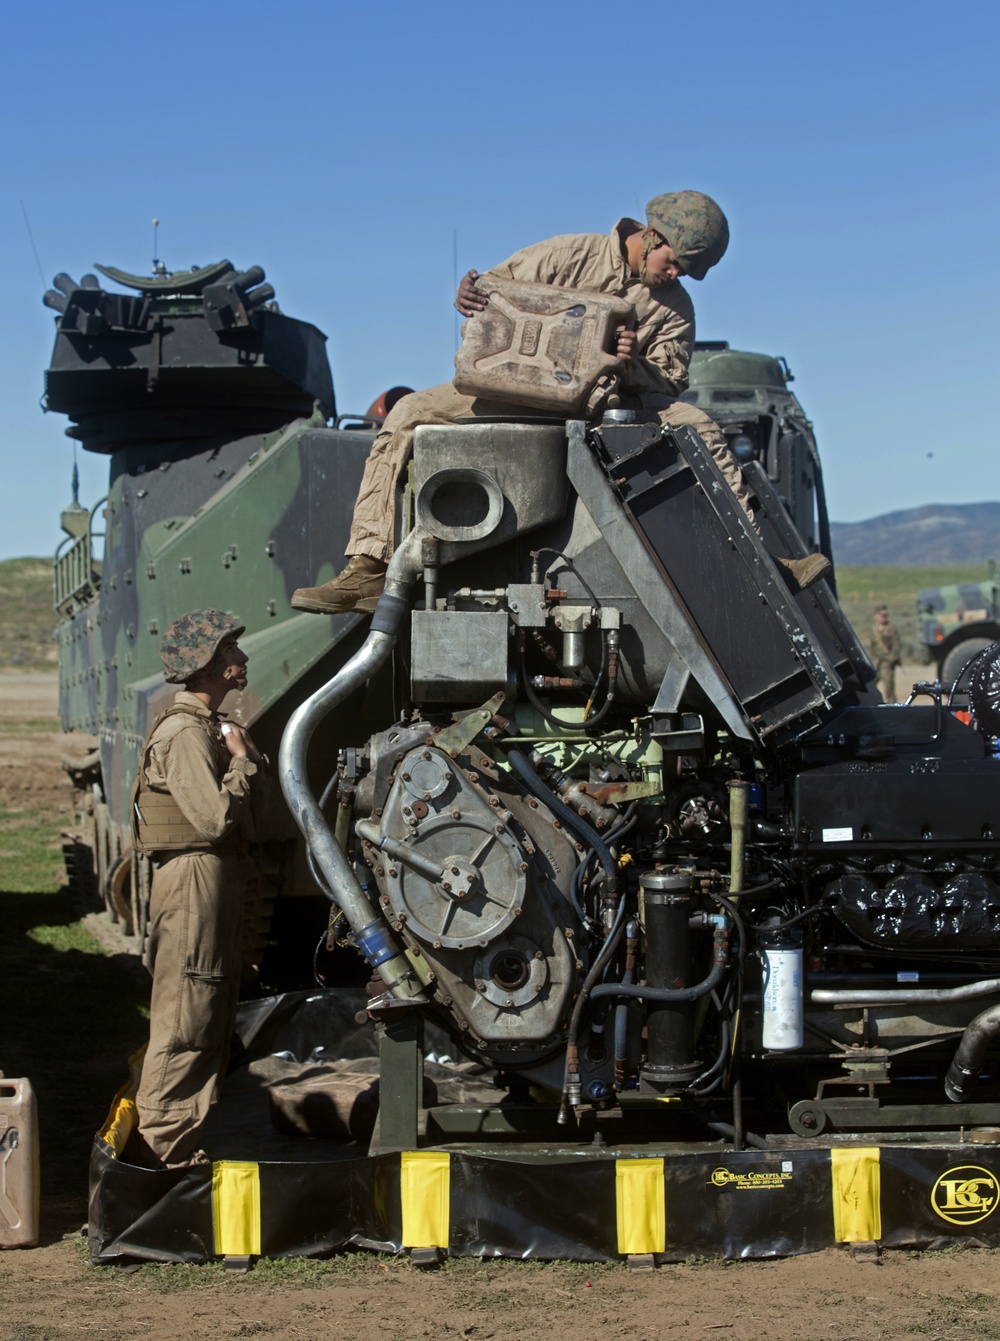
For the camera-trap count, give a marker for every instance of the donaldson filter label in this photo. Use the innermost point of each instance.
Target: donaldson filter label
(965, 1195)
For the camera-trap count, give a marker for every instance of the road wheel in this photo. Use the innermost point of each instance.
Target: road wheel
(958, 658)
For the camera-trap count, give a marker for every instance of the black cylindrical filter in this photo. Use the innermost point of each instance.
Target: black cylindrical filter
(667, 906)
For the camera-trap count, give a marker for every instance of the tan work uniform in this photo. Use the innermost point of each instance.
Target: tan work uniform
(196, 923)
(656, 375)
(885, 654)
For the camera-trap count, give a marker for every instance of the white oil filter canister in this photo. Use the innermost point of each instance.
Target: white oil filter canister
(782, 1027)
(18, 1164)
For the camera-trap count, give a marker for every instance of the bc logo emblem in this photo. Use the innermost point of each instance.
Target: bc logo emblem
(966, 1194)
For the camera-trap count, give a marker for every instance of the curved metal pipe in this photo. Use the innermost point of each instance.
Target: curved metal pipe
(895, 996)
(964, 1070)
(373, 937)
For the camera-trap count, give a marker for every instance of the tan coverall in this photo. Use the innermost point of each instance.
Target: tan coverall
(656, 374)
(195, 929)
(885, 654)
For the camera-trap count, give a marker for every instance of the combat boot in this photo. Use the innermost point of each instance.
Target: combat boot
(358, 587)
(802, 573)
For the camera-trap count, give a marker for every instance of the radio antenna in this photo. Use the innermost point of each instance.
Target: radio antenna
(31, 239)
(454, 277)
(158, 267)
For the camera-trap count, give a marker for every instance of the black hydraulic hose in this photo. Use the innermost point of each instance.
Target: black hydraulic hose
(609, 666)
(700, 1085)
(317, 875)
(519, 762)
(571, 1089)
(791, 921)
(712, 1078)
(720, 954)
(625, 825)
(537, 554)
(576, 888)
(614, 836)
(596, 969)
(964, 1070)
(621, 1008)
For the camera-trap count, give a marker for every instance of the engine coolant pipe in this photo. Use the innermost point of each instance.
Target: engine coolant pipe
(373, 937)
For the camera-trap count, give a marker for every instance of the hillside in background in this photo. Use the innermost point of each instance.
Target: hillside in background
(937, 533)
(27, 621)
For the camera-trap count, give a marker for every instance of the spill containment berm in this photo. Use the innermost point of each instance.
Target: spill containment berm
(303, 1197)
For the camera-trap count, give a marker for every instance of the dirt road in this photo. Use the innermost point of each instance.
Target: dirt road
(52, 1293)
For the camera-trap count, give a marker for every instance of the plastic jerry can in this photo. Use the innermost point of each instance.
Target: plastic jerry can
(18, 1164)
(541, 346)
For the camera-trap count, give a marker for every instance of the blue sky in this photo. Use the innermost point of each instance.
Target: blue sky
(345, 148)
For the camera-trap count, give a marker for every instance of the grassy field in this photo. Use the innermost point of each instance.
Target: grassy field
(861, 589)
(28, 620)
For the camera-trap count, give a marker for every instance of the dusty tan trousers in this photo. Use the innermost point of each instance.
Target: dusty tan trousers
(195, 948)
(371, 530)
(885, 672)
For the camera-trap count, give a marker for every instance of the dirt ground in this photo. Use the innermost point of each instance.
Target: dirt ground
(29, 759)
(53, 1293)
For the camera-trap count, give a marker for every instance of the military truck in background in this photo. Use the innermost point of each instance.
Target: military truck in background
(231, 482)
(956, 623)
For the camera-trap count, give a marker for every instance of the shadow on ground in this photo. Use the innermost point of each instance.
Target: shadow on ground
(71, 1018)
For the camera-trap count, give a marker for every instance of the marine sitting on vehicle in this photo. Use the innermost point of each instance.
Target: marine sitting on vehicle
(199, 797)
(686, 233)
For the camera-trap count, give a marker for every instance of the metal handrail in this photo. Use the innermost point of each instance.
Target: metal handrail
(75, 574)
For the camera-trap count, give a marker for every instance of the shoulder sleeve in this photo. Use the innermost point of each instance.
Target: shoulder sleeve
(666, 335)
(541, 263)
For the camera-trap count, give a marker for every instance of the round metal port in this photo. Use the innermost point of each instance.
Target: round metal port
(460, 503)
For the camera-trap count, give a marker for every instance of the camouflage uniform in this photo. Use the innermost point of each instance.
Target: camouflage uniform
(196, 914)
(652, 380)
(885, 655)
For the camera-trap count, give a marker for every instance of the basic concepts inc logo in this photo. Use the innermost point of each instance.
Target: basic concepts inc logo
(966, 1194)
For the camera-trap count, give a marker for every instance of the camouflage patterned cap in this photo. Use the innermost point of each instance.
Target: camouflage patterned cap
(192, 641)
(694, 227)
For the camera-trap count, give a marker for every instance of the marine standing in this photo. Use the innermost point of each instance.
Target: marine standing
(885, 652)
(198, 799)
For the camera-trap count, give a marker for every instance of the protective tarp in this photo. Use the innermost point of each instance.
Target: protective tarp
(271, 1193)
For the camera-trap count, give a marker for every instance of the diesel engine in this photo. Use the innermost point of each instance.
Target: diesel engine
(630, 821)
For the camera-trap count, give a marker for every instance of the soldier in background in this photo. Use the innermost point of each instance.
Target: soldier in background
(198, 798)
(885, 652)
